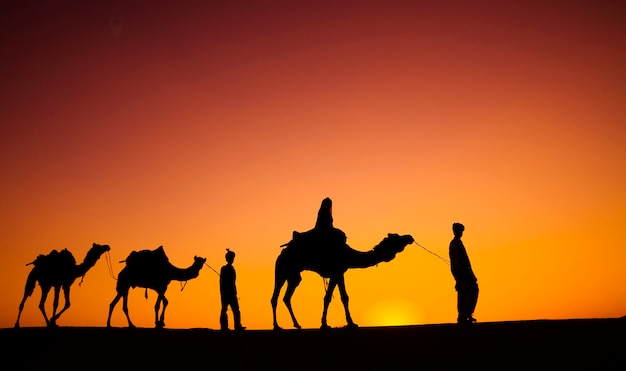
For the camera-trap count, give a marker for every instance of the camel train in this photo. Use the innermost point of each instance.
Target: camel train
(322, 250)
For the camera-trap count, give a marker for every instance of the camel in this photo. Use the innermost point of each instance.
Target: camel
(151, 269)
(308, 251)
(57, 270)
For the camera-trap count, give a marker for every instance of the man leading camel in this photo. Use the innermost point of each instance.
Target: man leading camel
(466, 282)
(228, 293)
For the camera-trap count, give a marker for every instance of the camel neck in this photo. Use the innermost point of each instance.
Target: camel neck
(184, 274)
(364, 259)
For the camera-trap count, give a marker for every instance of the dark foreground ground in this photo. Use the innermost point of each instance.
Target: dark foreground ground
(586, 344)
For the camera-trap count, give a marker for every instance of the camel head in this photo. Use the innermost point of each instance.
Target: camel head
(91, 258)
(198, 262)
(94, 254)
(97, 250)
(393, 244)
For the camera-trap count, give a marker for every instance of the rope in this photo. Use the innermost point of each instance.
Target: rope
(109, 265)
(184, 283)
(441, 258)
(326, 282)
(216, 272)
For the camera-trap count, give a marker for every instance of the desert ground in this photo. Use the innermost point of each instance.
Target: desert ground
(581, 344)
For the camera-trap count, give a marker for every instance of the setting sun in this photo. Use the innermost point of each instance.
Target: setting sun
(393, 313)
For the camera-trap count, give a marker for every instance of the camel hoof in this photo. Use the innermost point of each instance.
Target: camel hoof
(277, 328)
(352, 325)
(325, 327)
(297, 325)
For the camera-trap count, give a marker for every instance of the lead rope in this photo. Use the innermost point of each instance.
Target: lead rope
(109, 265)
(441, 258)
(212, 269)
(183, 284)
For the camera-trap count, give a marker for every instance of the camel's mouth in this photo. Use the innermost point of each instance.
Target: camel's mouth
(394, 244)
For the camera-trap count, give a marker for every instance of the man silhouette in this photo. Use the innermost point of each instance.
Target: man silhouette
(228, 292)
(466, 282)
(325, 215)
(324, 228)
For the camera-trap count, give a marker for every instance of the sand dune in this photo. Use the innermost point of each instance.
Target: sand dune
(591, 344)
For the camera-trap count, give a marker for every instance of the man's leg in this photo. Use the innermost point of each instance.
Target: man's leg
(464, 303)
(472, 303)
(224, 316)
(460, 306)
(236, 314)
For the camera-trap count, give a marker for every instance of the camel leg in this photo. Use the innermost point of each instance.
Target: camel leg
(278, 284)
(66, 295)
(327, 298)
(160, 321)
(292, 284)
(165, 303)
(111, 307)
(31, 283)
(125, 309)
(42, 303)
(157, 305)
(21, 308)
(344, 300)
(55, 305)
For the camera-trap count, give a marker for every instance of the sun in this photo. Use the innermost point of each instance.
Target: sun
(393, 313)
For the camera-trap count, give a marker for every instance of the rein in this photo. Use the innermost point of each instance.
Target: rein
(441, 258)
(216, 272)
(183, 284)
(109, 265)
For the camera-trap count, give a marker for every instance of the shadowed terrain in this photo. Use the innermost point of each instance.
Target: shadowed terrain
(542, 344)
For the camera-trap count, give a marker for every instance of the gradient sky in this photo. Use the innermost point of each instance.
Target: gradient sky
(202, 126)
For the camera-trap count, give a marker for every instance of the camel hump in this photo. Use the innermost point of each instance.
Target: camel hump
(63, 258)
(154, 257)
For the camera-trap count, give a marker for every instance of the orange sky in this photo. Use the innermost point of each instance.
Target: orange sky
(204, 127)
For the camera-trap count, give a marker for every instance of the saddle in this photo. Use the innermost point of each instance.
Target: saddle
(143, 258)
(63, 258)
(316, 236)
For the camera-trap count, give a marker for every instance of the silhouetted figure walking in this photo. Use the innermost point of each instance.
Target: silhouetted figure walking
(466, 282)
(228, 292)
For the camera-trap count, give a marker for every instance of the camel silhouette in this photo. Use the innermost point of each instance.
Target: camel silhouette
(151, 269)
(58, 269)
(308, 251)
